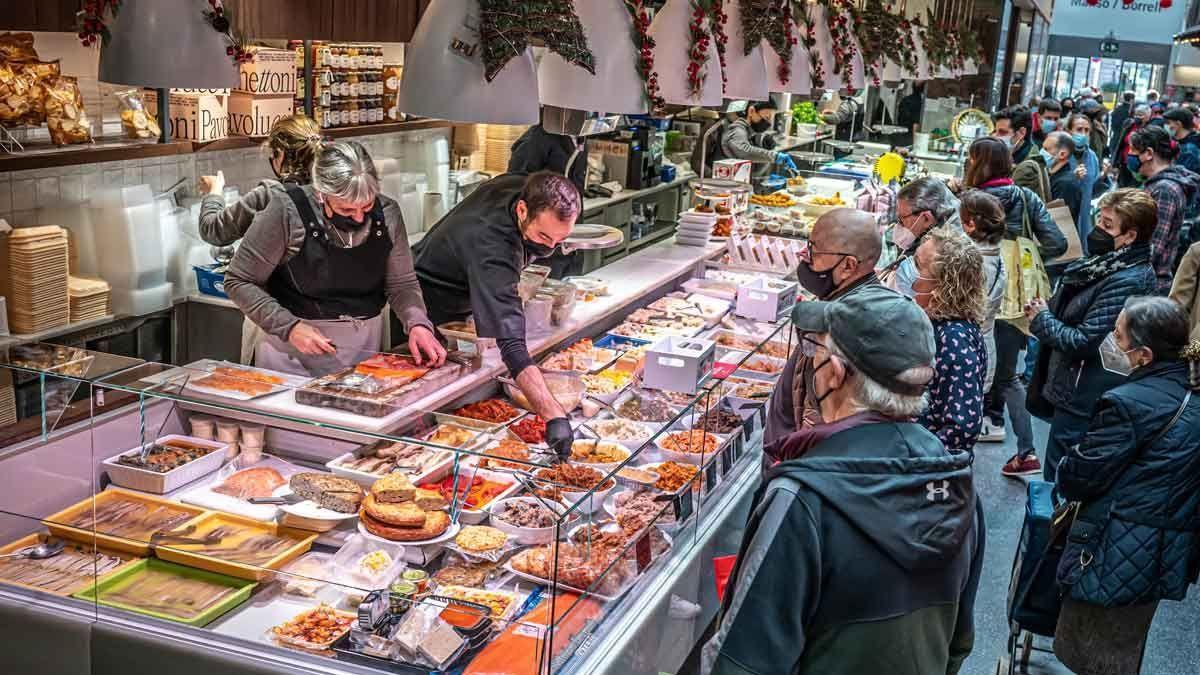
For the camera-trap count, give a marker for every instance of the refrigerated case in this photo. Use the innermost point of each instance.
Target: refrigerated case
(171, 570)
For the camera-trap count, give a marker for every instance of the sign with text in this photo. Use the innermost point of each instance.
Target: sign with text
(1141, 21)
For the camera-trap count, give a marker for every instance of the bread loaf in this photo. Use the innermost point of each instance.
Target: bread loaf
(328, 491)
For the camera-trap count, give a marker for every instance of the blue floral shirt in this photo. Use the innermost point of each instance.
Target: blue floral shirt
(955, 412)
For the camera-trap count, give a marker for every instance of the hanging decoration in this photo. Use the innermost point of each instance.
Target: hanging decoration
(770, 20)
(506, 26)
(801, 11)
(219, 19)
(936, 38)
(93, 28)
(645, 48)
(838, 15)
(698, 43)
(717, 18)
(884, 36)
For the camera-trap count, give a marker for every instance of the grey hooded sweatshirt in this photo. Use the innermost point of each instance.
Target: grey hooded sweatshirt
(861, 556)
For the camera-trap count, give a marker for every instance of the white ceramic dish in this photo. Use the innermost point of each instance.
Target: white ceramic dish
(696, 459)
(308, 509)
(157, 483)
(529, 536)
(449, 534)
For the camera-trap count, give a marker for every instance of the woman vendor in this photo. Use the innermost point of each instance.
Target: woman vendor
(318, 264)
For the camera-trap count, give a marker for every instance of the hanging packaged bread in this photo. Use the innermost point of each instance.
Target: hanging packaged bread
(65, 116)
(135, 121)
(17, 47)
(18, 102)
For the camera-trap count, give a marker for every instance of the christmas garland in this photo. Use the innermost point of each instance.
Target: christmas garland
(815, 67)
(697, 70)
(645, 47)
(770, 20)
(938, 48)
(838, 14)
(878, 32)
(92, 27)
(506, 26)
(717, 19)
(958, 61)
(970, 47)
(905, 52)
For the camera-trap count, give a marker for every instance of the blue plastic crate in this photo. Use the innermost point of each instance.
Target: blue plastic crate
(209, 281)
(618, 342)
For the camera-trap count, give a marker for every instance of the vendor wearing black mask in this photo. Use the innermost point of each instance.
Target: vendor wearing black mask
(471, 261)
(842, 252)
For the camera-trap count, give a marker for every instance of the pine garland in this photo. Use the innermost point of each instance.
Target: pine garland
(717, 18)
(815, 67)
(838, 15)
(506, 26)
(645, 48)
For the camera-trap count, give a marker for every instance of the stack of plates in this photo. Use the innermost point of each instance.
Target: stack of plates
(695, 229)
(36, 286)
(89, 298)
(8, 400)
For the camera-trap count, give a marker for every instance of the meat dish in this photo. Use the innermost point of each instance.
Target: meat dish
(526, 514)
(692, 442)
(570, 478)
(76, 567)
(473, 494)
(721, 421)
(253, 483)
(490, 410)
(165, 593)
(638, 510)
(778, 350)
(531, 429)
(383, 457)
(317, 629)
(130, 518)
(506, 449)
(673, 475)
(645, 407)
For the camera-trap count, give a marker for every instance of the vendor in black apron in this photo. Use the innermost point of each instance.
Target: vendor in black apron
(318, 264)
(470, 263)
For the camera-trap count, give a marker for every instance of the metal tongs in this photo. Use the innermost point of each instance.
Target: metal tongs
(181, 537)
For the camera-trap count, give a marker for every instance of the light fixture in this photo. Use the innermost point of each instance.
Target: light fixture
(824, 48)
(616, 87)
(671, 30)
(443, 72)
(924, 72)
(799, 75)
(163, 44)
(745, 74)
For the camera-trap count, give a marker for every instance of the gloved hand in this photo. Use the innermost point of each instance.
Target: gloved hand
(559, 437)
(785, 160)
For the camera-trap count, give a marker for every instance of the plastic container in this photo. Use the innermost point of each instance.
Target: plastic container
(203, 427)
(253, 434)
(250, 454)
(346, 563)
(228, 431)
(130, 253)
(209, 281)
(161, 483)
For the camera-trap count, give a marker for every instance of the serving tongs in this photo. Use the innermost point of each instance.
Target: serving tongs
(291, 498)
(181, 537)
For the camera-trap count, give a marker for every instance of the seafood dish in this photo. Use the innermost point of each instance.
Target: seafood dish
(161, 592)
(369, 395)
(491, 410)
(498, 602)
(579, 566)
(165, 456)
(644, 332)
(254, 546)
(720, 421)
(526, 514)
(252, 483)
(76, 567)
(128, 518)
(531, 429)
(667, 319)
(245, 381)
(506, 449)
(316, 629)
(646, 407)
(693, 442)
(598, 452)
(620, 430)
(383, 457)
(390, 367)
(771, 348)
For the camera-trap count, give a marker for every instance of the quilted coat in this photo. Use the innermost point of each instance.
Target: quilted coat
(1050, 240)
(1079, 319)
(1140, 506)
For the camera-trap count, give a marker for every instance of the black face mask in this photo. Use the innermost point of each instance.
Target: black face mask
(1100, 242)
(760, 126)
(536, 251)
(820, 284)
(346, 223)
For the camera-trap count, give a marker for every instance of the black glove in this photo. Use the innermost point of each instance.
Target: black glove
(559, 436)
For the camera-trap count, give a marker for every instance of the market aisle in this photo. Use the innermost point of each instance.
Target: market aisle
(1174, 645)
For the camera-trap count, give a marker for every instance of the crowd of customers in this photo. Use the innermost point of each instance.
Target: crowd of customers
(911, 353)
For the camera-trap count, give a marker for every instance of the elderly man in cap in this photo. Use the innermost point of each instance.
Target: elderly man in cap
(840, 260)
(869, 495)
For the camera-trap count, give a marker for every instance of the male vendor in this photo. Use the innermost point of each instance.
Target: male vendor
(470, 262)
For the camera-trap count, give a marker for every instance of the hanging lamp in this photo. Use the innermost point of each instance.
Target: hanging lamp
(799, 72)
(616, 87)
(671, 31)
(165, 44)
(444, 74)
(745, 74)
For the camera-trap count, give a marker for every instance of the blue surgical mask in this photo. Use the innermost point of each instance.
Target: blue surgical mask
(1046, 157)
(1049, 126)
(1133, 163)
(1081, 140)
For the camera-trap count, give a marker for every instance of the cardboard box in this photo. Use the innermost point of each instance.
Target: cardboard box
(253, 115)
(732, 169)
(271, 73)
(199, 118)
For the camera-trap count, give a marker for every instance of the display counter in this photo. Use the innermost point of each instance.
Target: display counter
(518, 564)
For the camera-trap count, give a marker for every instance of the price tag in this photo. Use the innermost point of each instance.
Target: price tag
(683, 505)
(722, 370)
(710, 476)
(642, 552)
(727, 458)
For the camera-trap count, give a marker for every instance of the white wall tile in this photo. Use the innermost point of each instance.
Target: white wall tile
(47, 192)
(112, 178)
(23, 218)
(152, 176)
(92, 181)
(5, 194)
(71, 188)
(132, 176)
(24, 194)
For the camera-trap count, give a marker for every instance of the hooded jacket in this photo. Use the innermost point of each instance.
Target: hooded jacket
(1051, 242)
(861, 556)
(1174, 189)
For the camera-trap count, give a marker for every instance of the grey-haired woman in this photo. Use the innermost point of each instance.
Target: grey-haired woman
(318, 264)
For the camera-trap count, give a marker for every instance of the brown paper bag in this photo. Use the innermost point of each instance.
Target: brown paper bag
(1066, 224)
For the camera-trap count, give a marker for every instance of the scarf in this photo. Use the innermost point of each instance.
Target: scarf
(799, 442)
(995, 182)
(1086, 271)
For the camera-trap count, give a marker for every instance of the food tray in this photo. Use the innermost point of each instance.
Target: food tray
(472, 423)
(193, 555)
(157, 483)
(468, 516)
(694, 458)
(203, 495)
(85, 581)
(666, 521)
(776, 349)
(319, 394)
(307, 515)
(193, 374)
(527, 536)
(345, 562)
(56, 522)
(131, 573)
(304, 645)
(367, 479)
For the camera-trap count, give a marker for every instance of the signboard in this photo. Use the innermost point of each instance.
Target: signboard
(1109, 47)
(1140, 21)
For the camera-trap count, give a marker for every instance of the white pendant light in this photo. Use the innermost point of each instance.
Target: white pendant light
(924, 72)
(745, 74)
(824, 48)
(163, 44)
(443, 72)
(800, 74)
(858, 69)
(616, 87)
(671, 30)
(970, 67)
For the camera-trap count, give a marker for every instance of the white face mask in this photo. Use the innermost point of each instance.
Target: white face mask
(1113, 358)
(902, 237)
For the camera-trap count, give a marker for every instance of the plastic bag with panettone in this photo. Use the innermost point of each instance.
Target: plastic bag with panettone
(37, 74)
(17, 47)
(65, 115)
(135, 121)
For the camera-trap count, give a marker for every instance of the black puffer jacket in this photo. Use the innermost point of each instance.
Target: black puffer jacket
(1140, 505)
(1051, 242)
(1079, 319)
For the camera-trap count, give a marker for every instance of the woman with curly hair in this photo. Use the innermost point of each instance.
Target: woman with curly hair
(950, 288)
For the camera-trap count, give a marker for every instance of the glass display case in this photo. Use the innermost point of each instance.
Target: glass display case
(387, 516)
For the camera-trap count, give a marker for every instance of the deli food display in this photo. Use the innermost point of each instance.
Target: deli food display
(448, 522)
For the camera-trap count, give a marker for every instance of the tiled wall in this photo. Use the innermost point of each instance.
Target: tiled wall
(22, 193)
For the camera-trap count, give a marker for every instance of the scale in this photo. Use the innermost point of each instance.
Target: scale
(591, 237)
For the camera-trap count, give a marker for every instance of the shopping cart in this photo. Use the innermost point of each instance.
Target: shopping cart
(1034, 600)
